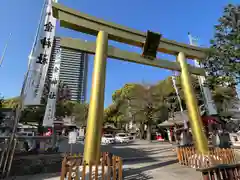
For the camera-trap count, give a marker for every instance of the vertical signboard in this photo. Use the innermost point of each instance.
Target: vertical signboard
(49, 115)
(40, 57)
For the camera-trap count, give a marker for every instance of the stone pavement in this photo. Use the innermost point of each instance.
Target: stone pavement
(160, 170)
(136, 149)
(48, 163)
(143, 161)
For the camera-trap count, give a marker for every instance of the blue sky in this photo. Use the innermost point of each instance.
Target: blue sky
(172, 18)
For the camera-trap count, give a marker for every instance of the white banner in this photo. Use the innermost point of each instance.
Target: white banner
(40, 57)
(179, 100)
(49, 115)
(209, 103)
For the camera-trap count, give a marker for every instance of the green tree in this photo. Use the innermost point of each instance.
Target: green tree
(64, 108)
(80, 111)
(11, 102)
(33, 114)
(1, 107)
(121, 99)
(223, 63)
(224, 98)
(63, 105)
(166, 89)
(153, 104)
(141, 104)
(113, 115)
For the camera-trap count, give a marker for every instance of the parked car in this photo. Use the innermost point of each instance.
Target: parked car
(26, 133)
(108, 139)
(122, 138)
(159, 137)
(80, 138)
(132, 136)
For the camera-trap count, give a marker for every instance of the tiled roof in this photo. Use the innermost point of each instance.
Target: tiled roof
(178, 118)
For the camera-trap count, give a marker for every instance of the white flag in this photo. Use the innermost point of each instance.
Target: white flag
(40, 57)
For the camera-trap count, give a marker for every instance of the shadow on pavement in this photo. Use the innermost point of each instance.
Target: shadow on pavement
(141, 173)
(52, 176)
(127, 152)
(52, 163)
(139, 176)
(144, 142)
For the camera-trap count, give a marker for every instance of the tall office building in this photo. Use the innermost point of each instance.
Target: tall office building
(73, 70)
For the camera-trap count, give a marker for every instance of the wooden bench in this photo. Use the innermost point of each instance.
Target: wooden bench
(221, 172)
(72, 163)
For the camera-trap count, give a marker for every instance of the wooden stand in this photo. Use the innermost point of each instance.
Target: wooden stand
(73, 167)
(221, 172)
(189, 156)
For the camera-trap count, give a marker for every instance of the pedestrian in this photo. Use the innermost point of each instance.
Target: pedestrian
(26, 146)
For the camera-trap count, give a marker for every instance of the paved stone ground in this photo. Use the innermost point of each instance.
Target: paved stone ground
(142, 161)
(159, 170)
(136, 149)
(162, 169)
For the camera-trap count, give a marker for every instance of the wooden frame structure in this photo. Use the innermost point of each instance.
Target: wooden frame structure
(72, 163)
(188, 156)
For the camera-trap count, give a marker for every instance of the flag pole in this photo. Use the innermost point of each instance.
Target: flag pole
(5, 49)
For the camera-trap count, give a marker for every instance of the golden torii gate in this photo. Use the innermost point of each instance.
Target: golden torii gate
(151, 43)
